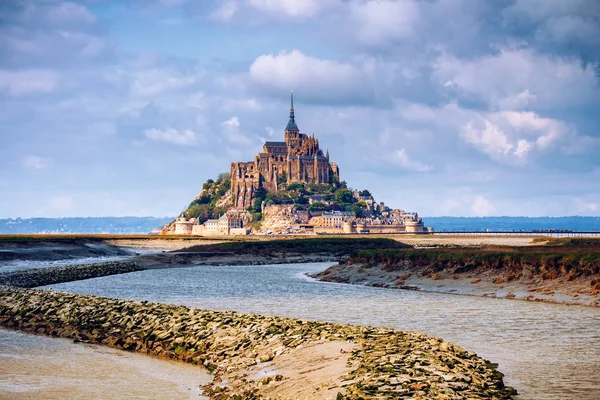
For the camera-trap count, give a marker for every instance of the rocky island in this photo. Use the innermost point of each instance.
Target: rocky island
(291, 186)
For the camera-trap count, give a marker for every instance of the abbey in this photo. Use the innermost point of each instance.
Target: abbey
(297, 159)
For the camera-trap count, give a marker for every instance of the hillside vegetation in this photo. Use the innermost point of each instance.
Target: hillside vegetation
(570, 261)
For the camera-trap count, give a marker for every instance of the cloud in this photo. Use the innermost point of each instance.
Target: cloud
(317, 79)
(28, 81)
(514, 134)
(519, 78)
(402, 159)
(157, 80)
(35, 162)
(63, 12)
(290, 8)
(225, 12)
(233, 134)
(173, 136)
(232, 122)
(490, 139)
(381, 22)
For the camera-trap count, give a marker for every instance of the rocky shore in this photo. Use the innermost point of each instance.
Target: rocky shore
(253, 356)
(48, 276)
(560, 274)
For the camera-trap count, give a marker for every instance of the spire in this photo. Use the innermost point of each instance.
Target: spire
(327, 155)
(291, 125)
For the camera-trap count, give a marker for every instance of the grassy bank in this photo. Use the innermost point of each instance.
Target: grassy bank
(333, 246)
(549, 262)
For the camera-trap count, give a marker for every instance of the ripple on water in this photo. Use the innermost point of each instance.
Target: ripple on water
(547, 351)
(35, 367)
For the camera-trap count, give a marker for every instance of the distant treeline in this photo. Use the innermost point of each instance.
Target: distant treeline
(116, 225)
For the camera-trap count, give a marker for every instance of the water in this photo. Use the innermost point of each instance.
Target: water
(547, 351)
(511, 224)
(21, 265)
(37, 367)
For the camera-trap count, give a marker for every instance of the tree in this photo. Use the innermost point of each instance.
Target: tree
(343, 196)
(317, 207)
(301, 200)
(364, 193)
(282, 180)
(355, 209)
(294, 186)
(362, 204)
(223, 176)
(335, 207)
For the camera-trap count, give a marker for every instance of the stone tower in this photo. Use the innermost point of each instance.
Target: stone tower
(292, 133)
(297, 159)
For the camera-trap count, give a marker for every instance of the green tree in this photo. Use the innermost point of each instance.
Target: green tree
(343, 196)
(282, 180)
(301, 200)
(335, 207)
(364, 193)
(317, 207)
(223, 176)
(355, 209)
(294, 186)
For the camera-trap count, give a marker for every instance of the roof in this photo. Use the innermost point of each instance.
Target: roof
(291, 125)
(275, 144)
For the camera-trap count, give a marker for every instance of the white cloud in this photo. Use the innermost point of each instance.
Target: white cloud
(158, 80)
(225, 12)
(490, 139)
(316, 78)
(69, 12)
(291, 8)
(517, 79)
(28, 81)
(233, 134)
(89, 45)
(380, 22)
(402, 158)
(232, 122)
(515, 134)
(523, 148)
(173, 136)
(35, 162)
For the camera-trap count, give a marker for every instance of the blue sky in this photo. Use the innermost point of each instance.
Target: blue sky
(445, 107)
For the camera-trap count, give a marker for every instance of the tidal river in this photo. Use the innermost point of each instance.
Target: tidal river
(546, 351)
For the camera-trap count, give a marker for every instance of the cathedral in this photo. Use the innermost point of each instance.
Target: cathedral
(297, 159)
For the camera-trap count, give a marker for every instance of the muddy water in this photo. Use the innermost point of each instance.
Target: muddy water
(36, 367)
(546, 351)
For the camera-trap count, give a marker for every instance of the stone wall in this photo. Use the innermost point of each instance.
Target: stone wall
(49, 276)
(385, 363)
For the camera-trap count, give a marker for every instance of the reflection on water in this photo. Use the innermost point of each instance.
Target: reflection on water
(21, 265)
(547, 351)
(34, 367)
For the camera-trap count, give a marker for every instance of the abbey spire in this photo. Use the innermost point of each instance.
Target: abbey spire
(291, 125)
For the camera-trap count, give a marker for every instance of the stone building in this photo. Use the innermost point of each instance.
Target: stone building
(233, 222)
(297, 159)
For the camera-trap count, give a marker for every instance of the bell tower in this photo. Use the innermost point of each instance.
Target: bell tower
(291, 133)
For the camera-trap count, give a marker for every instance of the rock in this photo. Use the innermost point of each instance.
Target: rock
(385, 364)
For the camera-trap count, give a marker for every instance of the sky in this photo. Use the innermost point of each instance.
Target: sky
(444, 107)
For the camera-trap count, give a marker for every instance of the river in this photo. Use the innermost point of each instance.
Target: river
(546, 351)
